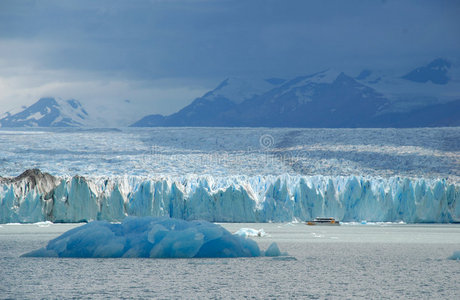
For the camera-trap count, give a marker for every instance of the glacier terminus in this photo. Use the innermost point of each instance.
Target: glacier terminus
(35, 197)
(230, 174)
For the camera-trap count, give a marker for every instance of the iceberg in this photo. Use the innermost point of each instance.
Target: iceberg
(250, 232)
(149, 237)
(37, 197)
(274, 251)
(455, 256)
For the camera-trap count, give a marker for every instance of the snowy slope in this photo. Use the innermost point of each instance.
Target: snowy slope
(438, 82)
(239, 89)
(113, 113)
(49, 112)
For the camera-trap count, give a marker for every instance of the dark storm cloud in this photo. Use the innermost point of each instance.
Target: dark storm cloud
(163, 54)
(154, 39)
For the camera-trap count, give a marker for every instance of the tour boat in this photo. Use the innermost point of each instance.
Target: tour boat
(323, 221)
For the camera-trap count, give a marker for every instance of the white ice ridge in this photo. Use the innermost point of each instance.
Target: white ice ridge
(36, 197)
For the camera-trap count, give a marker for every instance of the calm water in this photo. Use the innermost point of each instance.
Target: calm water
(350, 261)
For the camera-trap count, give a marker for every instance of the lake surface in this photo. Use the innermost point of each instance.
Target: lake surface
(349, 261)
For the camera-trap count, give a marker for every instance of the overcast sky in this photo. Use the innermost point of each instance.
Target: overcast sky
(163, 54)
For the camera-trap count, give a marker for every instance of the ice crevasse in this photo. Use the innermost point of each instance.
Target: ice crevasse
(35, 196)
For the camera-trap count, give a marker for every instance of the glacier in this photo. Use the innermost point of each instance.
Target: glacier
(143, 237)
(38, 197)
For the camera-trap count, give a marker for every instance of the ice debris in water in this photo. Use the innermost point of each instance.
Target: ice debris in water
(273, 250)
(151, 237)
(455, 256)
(250, 232)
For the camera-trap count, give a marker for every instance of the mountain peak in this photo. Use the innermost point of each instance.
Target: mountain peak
(440, 64)
(364, 74)
(46, 102)
(222, 85)
(436, 72)
(48, 112)
(343, 78)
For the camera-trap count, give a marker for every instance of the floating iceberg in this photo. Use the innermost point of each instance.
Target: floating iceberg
(455, 256)
(37, 197)
(151, 237)
(250, 232)
(273, 251)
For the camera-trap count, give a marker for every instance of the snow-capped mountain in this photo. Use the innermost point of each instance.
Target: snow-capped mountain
(205, 111)
(48, 112)
(436, 72)
(425, 96)
(435, 83)
(324, 99)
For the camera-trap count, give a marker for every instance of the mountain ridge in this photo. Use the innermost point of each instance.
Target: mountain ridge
(424, 96)
(329, 99)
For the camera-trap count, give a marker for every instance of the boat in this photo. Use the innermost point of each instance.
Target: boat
(323, 221)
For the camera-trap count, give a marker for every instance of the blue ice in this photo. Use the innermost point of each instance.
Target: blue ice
(455, 255)
(159, 237)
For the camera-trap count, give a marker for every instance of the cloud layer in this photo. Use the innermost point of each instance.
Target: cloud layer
(48, 47)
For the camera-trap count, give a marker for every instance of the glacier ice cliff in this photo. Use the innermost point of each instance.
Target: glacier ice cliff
(35, 196)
